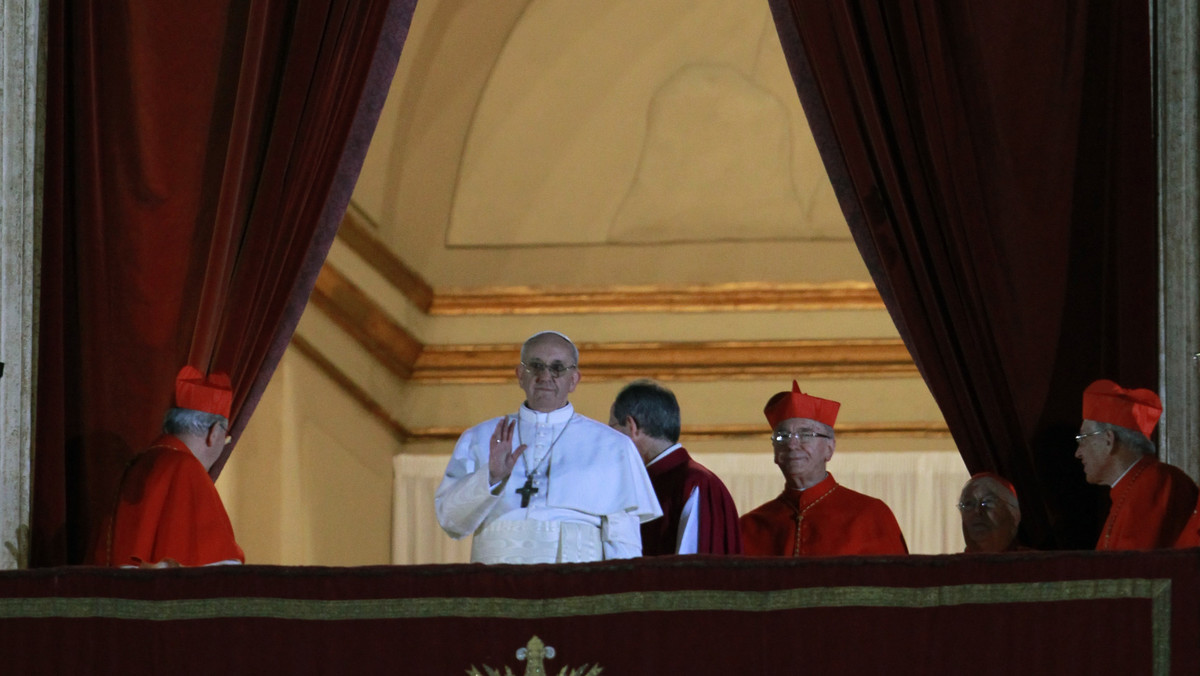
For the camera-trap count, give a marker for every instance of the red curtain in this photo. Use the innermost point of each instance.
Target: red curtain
(198, 159)
(995, 162)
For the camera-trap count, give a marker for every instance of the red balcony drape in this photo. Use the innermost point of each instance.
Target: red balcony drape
(198, 159)
(995, 162)
(1023, 613)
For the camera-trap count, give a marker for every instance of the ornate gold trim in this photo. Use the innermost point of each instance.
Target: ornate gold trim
(924, 430)
(739, 297)
(1156, 590)
(738, 360)
(534, 654)
(356, 232)
(365, 321)
(402, 354)
(403, 434)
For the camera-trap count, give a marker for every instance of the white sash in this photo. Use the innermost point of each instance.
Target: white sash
(530, 541)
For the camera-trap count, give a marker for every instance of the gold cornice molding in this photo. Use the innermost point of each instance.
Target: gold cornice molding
(355, 232)
(737, 360)
(364, 320)
(733, 297)
(876, 430)
(402, 434)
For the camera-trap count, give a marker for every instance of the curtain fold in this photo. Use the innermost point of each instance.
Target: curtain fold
(195, 156)
(995, 162)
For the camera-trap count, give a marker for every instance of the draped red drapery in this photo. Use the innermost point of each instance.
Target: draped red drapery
(199, 157)
(995, 162)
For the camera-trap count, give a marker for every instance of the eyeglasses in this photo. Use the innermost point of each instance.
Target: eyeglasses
(803, 436)
(557, 369)
(987, 504)
(1081, 437)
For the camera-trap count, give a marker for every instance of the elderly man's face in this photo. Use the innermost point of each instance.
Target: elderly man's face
(544, 391)
(989, 523)
(802, 460)
(209, 450)
(1095, 450)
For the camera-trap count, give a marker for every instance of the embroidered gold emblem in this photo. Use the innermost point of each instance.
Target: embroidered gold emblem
(534, 654)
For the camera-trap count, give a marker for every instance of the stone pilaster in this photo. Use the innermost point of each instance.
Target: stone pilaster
(1176, 25)
(22, 96)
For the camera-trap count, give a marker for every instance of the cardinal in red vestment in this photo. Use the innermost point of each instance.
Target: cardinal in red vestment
(168, 512)
(699, 515)
(814, 516)
(1151, 500)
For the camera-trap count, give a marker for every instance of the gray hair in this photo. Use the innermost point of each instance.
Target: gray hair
(543, 335)
(652, 405)
(1000, 490)
(1130, 438)
(179, 421)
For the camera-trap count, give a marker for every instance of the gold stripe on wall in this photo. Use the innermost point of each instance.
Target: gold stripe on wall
(695, 432)
(402, 354)
(871, 358)
(739, 297)
(355, 233)
(922, 430)
(365, 321)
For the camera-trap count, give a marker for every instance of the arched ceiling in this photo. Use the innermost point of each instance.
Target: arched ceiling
(555, 143)
(636, 173)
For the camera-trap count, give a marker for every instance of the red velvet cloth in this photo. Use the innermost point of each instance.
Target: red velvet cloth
(674, 478)
(1151, 504)
(996, 165)
(198, 159)
(1003, 614)
(825, 520)
(167, 507)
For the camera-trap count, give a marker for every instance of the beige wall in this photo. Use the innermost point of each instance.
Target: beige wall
(310, 481)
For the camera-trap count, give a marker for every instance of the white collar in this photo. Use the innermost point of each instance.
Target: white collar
(664, 454)
(557, 417)
(1114, 483)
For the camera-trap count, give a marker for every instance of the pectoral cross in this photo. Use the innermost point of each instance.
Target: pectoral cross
(527, 490)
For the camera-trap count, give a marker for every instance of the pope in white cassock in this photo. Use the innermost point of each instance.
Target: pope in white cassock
(573, 489)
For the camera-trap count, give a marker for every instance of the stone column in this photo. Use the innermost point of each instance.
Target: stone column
(1176, 26)
(22, 97)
